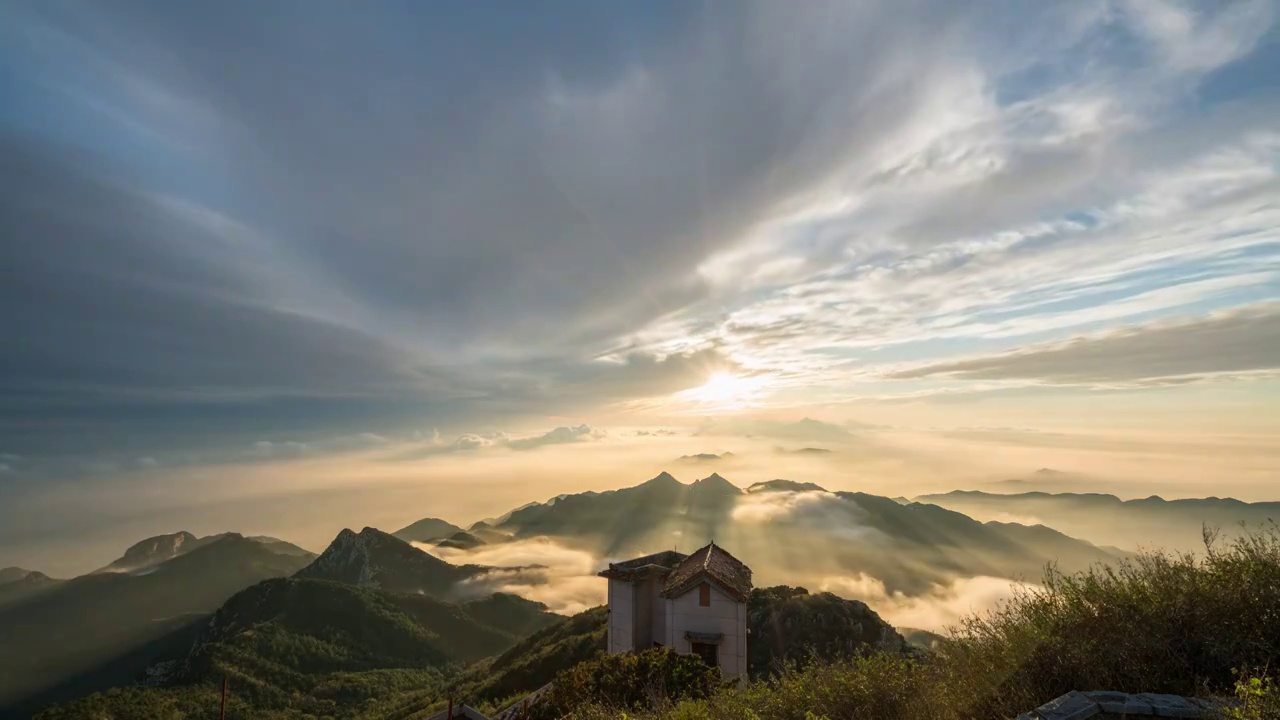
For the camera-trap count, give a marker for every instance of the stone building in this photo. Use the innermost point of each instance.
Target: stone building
(694, 604)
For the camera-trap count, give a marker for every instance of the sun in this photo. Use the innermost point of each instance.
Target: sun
(723, 389)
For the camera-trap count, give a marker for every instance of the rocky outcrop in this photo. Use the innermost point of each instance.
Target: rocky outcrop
(1104, 705)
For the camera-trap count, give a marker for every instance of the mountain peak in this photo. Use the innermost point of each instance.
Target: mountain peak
(714, 482)
(662, 478)
(12, 574)
(427, 530)
(153, 550)
(373, 558)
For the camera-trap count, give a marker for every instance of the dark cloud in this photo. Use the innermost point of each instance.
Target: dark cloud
(1166, 352)
(398, 209)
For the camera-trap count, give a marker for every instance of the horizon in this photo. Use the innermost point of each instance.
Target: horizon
(284, 273)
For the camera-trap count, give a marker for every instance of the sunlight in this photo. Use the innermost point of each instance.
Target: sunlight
(724, 390)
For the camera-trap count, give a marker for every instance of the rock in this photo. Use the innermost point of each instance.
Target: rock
(1171, 706)
(1072, 706)
(1119, 703)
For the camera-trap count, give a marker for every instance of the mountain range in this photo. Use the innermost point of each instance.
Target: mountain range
(796, 531)
(1151, 522)
(376, 623)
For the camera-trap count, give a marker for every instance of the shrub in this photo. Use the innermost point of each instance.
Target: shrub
(647, 680)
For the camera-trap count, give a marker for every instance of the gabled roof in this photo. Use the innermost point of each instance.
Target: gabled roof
(661, 562)
(712, 563)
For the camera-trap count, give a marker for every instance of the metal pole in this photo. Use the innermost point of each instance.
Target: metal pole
(450, 708)
(222, 714)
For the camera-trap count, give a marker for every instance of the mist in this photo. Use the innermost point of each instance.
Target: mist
(307, 496)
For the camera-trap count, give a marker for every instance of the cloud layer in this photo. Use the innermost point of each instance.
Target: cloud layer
(224, 225)
(1238, 342)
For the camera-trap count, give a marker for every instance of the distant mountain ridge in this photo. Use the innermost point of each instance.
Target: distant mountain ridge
(1107, 520)
(427, 530)
(13, 574)
(152, 551)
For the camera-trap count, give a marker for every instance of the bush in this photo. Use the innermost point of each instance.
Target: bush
(629, 682)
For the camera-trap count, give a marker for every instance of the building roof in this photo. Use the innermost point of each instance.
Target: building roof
(662, 563)
(712, 563)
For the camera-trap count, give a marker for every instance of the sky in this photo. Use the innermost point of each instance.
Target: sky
(408, 258)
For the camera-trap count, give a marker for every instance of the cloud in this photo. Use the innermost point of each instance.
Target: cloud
(5, 468)
(937, 610)
(801, 197)
(834, 516)
(538, 569)
(1239, 342)
(467, 442)
(804, 429)
(558, 436)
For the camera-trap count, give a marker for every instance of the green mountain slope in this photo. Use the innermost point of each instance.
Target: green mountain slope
(70, 638)
(293, 647)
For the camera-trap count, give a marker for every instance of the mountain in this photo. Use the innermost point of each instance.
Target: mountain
(98, 629)
(12, 574)
(632, 519)
(461, 540)
(152, 551)
(427, 530)
(488, 533)
(810, 451)
(785, 486)
(791, 530)
(535, 660)
(704, 457)
(315, 648)
(19, 584)
(148, 553)
(375, 559)
(281, 547)
(789, 625)
(1108, 520)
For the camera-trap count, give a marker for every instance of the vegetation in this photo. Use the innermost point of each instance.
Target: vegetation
(534, 661)
(1162, 623)
(298, 647)
(790, 628)
(102, 629)
(628, 682)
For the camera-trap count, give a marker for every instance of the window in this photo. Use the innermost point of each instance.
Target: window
(704, 595)
(709, 652)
